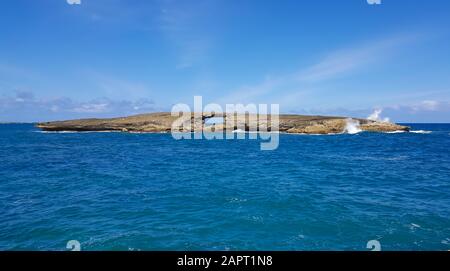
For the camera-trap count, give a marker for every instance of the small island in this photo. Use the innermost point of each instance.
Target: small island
(162, 123)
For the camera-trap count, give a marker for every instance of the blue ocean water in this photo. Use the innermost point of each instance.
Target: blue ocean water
(119, 191)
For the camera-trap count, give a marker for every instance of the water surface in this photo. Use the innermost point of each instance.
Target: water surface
(119, 191)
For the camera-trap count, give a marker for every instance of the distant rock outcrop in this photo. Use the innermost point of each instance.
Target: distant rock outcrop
(162, 122)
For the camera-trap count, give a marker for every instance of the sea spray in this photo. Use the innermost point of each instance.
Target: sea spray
(352, 126)
(375, 116)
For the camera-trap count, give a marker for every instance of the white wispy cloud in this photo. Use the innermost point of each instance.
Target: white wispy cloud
(429, 105)
(105, 105)
(248, 92)
(343, 62)
(184, 25)
(24, 102)
(423, 111)
(92, 108)
(124, 96)
(115, 86)
(348, 60)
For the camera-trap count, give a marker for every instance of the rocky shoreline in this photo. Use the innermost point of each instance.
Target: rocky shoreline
(162, 122)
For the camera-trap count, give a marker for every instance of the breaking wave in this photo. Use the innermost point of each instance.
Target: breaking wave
(421, 132)
(396, 132)
(414, 132)
(352, 126)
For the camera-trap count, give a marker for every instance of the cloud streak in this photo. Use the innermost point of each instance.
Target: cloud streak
(184, 25)
(25, 106)
(340, 63)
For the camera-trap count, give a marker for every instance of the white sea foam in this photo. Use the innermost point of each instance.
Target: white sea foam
(421, 132)
(414, 226)
(414, 132)
(396, 132)
(352, 126)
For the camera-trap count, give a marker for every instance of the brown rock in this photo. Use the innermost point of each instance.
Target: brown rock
(162, 122)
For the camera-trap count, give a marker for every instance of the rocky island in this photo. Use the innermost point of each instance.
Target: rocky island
(162, 122)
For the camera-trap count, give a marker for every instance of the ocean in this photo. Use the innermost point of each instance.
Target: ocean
(122, 191)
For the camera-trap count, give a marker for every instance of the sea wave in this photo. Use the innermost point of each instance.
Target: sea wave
(396, 132)
(421, 132)
(414, 132)
(352, 127)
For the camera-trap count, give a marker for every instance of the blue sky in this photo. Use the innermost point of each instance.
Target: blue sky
(105, 58)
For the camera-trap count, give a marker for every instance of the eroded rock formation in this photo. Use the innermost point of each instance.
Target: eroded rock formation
(162, 122)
